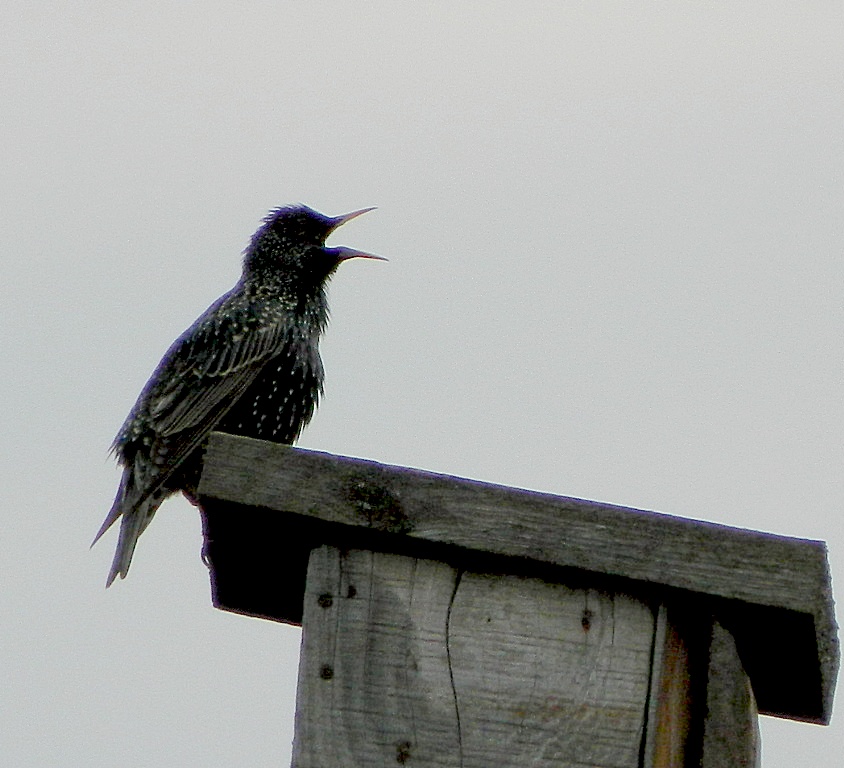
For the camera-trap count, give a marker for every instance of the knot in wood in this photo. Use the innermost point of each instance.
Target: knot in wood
(402, 752)
(376, 504)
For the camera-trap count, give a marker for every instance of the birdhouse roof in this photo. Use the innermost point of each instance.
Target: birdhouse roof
(267, 505)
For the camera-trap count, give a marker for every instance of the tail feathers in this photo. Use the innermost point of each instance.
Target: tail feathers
(115, 511)
(134, 522)
(136, 516)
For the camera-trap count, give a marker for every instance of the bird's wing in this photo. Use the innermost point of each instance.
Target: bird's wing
(209, 371)
(201, 377)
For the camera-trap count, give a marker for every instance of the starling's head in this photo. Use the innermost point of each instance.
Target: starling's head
(291, 242)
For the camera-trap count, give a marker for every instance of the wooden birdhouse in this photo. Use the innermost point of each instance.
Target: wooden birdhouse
(453, 623)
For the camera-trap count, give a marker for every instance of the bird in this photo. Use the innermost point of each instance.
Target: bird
(249, 365)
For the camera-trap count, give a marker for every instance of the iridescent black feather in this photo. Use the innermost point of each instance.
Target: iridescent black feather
(249, 365)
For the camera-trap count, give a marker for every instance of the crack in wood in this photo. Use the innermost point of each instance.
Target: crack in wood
(650, 694)
(458, 576)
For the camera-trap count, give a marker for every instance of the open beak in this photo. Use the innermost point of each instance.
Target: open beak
(341, 252)
(339, 221)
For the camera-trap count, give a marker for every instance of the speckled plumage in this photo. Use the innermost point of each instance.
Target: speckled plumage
(249, 365)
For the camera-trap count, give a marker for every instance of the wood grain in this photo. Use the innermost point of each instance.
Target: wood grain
(669, 713)
(406, 660)
(731, 727)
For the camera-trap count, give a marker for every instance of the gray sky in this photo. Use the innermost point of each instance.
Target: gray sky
(615, 240)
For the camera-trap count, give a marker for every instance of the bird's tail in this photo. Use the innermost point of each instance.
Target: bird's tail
(135, 518)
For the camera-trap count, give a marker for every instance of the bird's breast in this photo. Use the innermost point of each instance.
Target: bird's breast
(281, 400)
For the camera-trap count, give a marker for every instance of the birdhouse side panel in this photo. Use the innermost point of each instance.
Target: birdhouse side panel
(406, 659)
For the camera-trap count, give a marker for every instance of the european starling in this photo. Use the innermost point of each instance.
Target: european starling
(249, 365)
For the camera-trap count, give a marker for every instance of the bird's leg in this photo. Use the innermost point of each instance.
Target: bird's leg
(190, 495)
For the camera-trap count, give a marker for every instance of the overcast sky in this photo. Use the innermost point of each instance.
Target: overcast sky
(615, 240)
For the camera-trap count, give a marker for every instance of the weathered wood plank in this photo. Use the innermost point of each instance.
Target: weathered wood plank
(669, 712)
(406, 660)
(374, 685)
(689, 554)
(774, 591)
(546, 675)
(731, 727)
